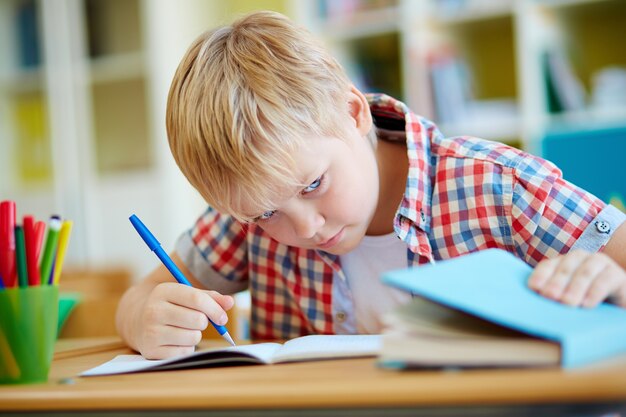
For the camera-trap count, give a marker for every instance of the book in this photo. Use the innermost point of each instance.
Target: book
(26, 17)
(480, 312)
(300, 349)
(425, 334)
(565, 91)
(451, 86)
(33, 151)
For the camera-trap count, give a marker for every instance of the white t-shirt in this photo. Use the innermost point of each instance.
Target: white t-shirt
(363, 267)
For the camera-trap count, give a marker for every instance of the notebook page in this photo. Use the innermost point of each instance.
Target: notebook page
(123, 364)
(136, 363)
(263, 351)
(327, 347)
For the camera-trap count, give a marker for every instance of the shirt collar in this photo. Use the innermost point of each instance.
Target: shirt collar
(416, 202)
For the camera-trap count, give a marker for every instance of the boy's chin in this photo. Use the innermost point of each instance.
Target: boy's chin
(336, 251)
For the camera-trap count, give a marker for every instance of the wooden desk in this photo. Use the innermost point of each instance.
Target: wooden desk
(339, 387)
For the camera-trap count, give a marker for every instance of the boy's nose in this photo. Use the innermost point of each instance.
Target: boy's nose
(307, 223)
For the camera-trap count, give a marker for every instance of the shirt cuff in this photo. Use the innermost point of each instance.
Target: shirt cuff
(196, 263)
(599, 231)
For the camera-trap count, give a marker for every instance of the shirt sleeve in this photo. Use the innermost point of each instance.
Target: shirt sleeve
(215, 251)
(551, 216)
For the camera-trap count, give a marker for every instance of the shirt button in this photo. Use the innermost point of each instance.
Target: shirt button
(603, 227)
(422, 215)
(340, 317)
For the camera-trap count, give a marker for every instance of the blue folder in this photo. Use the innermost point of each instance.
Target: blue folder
(492, 285)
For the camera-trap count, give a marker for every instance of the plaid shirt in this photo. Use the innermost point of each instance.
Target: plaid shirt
(463, 194)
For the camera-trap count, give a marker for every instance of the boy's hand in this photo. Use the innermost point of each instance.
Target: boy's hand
(580, 278)
(173, 317)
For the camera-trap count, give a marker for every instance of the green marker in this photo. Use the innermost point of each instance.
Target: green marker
(49, 250)
(20, 256)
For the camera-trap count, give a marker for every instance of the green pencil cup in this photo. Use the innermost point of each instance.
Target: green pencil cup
(28, 331)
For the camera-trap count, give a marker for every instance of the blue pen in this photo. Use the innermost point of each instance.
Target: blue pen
(155, 247)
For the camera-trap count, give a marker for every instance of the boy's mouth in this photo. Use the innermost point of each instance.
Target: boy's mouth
(332, 241)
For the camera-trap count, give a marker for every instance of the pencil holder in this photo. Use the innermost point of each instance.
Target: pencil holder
(28, 331)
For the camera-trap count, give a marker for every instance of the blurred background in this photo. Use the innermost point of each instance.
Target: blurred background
(83, 87)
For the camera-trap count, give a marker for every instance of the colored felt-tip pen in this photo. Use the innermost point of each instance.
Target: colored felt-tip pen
(155, 247)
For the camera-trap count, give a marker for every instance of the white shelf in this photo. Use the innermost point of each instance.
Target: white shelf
(22, 81)
(473, 14)
(590, 118)
(556, 4)
(119, 67)
(362, 24)
(506, 130)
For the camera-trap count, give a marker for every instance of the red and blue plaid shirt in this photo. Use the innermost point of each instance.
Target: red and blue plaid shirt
(463, 195)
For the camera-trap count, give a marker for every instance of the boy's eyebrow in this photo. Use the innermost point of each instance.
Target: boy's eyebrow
(309, 178)
(316, 173)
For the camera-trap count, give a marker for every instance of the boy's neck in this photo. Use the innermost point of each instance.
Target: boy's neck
(393, 166)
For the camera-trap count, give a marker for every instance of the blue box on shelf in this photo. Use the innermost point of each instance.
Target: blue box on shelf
(594, 159)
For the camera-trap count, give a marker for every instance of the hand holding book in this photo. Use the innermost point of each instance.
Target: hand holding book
(580, 278)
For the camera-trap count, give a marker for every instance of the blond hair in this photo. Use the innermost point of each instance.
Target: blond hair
(243, 98)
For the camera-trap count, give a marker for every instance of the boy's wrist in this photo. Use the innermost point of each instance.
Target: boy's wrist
(129, 316)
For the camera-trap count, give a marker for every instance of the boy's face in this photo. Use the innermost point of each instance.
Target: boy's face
(334, 211)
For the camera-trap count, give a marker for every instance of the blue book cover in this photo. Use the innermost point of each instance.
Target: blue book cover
(492, 285)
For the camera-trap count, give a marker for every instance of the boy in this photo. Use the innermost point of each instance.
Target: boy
(315, 189)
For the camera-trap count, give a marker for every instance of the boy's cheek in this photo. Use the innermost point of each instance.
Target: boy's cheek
(280, 232)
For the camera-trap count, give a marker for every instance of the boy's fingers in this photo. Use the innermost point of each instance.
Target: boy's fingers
(583, 278)
(197, 299)
(225, 301)
(542, 273)
(164, 352)
(185, 318)
(605, 284)
(175, 336)
(156, 335)
(553, 287)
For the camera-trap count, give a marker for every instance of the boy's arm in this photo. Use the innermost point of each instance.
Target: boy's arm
(159, 317)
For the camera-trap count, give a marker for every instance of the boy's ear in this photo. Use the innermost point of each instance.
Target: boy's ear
(359, 111)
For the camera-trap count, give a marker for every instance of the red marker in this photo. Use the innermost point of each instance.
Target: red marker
(40, 231)
(7, 243)
(31, 250)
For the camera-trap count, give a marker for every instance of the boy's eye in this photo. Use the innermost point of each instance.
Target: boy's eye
(266, 215)
(313, 186)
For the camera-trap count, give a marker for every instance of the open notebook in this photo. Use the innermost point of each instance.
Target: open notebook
(305, 348)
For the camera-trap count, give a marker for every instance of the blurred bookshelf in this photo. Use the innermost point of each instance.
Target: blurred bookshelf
(25, 147)
(83, 90)
(117, 74)
(591, 36)
(74, 79)
(82, 119)
(477, 67)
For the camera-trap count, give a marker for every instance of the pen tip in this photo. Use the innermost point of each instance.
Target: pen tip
(229, 339)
